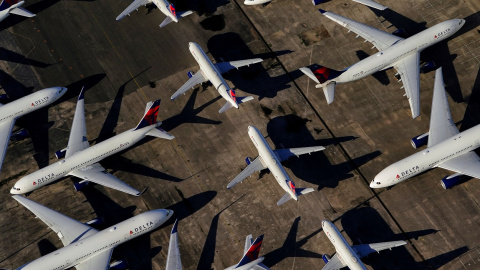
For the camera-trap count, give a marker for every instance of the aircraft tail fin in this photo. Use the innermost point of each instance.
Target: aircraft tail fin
(321, 74)
(239, 101)
(150, 116)
(252, 253)
(298, 192)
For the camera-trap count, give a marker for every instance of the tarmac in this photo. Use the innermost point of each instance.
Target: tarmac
(124, 64)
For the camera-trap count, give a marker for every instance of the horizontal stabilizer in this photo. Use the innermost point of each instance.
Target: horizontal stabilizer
(225, 107)
(22, 12)
(239, 100)
(184, 13)
(166, 21)
(160, 133)
(329, 91)
(298, 191)
(371, 3)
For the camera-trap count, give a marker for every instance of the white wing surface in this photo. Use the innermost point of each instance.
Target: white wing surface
(227, 66)
(467, 164)
(6, 128)
(380, 39)
(133, 6)
(96, 173)
(371, 3)
(254, 166)
(441, 124)
(78, 134)
(364, 250)
(98, 262)
(284, 154)
(334, 263)
(409, 70)
(260, 266)
(173, 260)
(22, 12)
(67, 229)
(194, 80)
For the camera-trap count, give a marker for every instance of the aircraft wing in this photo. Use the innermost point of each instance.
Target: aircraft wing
(133, 6)
(22, 12)
(334, 263)
(371, 3)
(260, 266)
(227, 66)
(78, 134)
(197, 78)
(441, 124)
(67, 229)
(96, 173)
(254, 166)
(98, 262)
(364, 250)
(409, 70)
(284, 154)
(380, 39)
(5, 132)
(173, 260)
(467, 164)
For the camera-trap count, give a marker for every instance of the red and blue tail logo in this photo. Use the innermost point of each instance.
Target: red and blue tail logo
(171, 7)
(324, 74)
(232, 94)
(252, 253)
(7, 3)
(150, 116)
(291, 186)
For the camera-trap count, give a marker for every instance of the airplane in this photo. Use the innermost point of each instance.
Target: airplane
(250, 259)
(447, 148)
(10, 112)
(349, 256)
(81, 160)
(8, 7)
(86, 248)
(271, 159)
(165, 7)
(369, 3)
(212, 72)
(394, 51)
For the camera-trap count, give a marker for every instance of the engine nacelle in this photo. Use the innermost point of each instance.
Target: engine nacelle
(450, 181)
(80, 185)
(95, 221)
(400, 32)
(326, 258)
(420, 140)
(427, 67)
(190, 74)
(119, 265)
(20, 135)
(61, 153)
(248, 160)
(317, 2)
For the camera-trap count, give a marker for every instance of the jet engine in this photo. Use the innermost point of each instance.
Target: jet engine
(400, 32)
(419, 141)
(80, 185)
(20, 135)
(317, 2)
(190, 74)
(427, 67)
(450, 181)
(326, 258)
(248, 160)
(61, 153)
(119, 265)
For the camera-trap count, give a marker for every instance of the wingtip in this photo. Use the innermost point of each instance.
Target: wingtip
(82, 93)
(321, 10)
(174, 229)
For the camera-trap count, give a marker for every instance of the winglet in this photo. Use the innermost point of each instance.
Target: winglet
(174, 229)
(321, 10)
(252, 253)
(150, 116)
(82, 93)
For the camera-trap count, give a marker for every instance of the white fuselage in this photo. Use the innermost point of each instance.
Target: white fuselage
(431, 157)
(4, 13)
(84, 249)
(389, 57)
(80, 160)
(270, 160)
(344, 251)
(163, 5)
(211, 73)
(32, 102)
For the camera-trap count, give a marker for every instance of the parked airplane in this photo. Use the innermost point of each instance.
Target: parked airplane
(212, 72)
(369, 3)
(173, 259)
(86, 248)
(250, 259)
(81, 160)
(8, 7)
(271, 159)
(447, 148)
(394, 51)
(349, 256)
(10, 112)
(167, 8)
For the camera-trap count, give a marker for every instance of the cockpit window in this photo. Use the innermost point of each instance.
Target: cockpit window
(378, 183)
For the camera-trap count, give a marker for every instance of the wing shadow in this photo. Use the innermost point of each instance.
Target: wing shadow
(11, 56)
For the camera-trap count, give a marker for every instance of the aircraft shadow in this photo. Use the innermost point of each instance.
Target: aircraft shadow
(201, 7)
(365, 225)
(253, 79)
(14, 57)
(291, 247)
(45, 247)
(75, 87)
(470, 118)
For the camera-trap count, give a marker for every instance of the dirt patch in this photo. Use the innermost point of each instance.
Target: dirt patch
(314, 35)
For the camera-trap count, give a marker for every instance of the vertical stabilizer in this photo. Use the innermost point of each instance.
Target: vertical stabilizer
(150, 116)
(252, 253)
